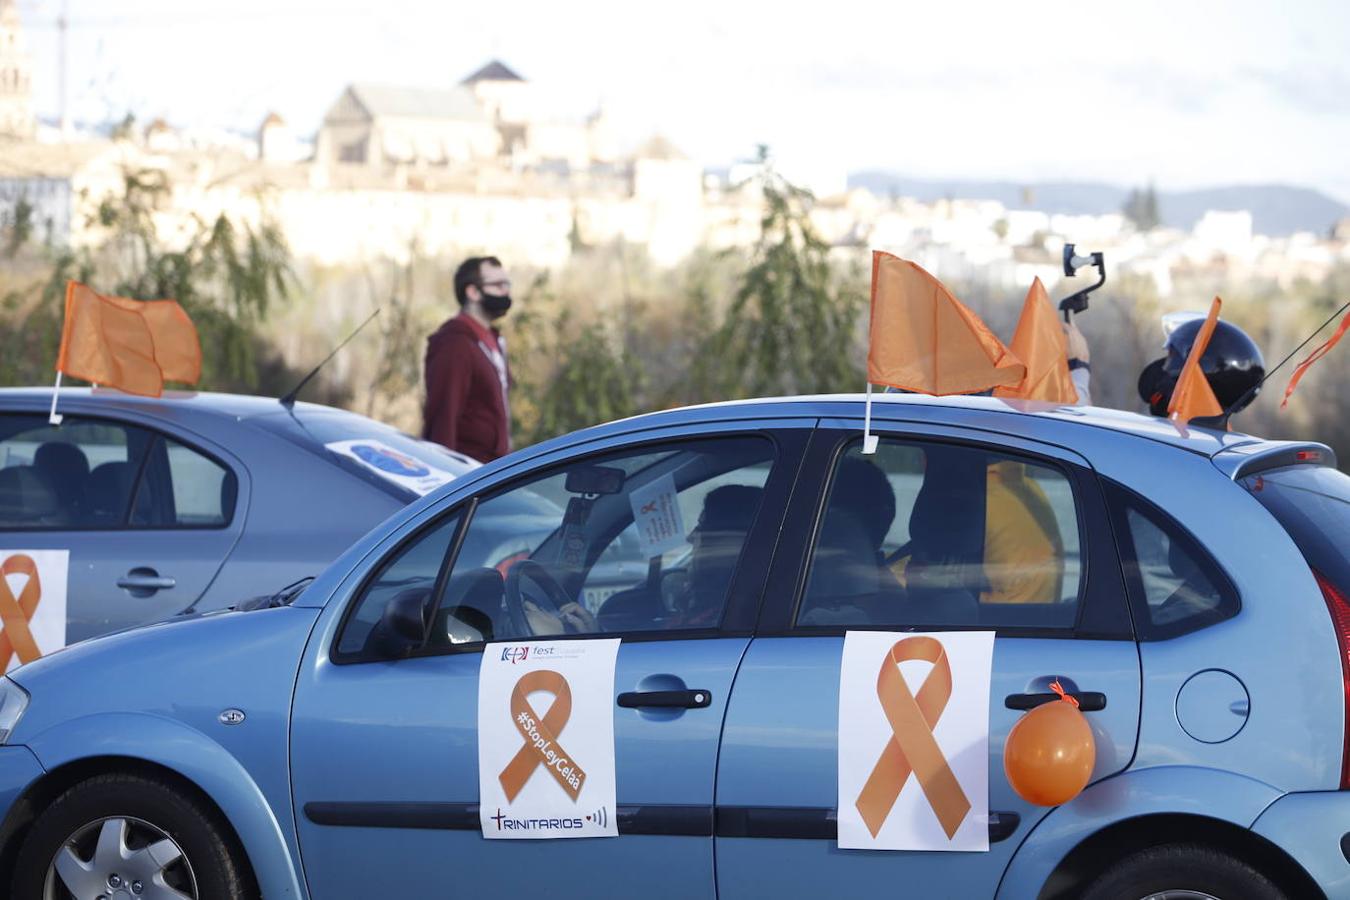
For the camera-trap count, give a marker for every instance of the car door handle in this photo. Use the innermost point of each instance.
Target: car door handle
(691, 699)
(1088, 701)
(145, 579)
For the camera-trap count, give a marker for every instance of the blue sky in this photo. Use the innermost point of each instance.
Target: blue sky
(1185, 93)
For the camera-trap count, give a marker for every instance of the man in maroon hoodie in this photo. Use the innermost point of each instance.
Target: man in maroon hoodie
(467, 376)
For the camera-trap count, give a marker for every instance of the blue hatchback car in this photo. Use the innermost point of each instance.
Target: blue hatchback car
(194, 501)
(1189, 589)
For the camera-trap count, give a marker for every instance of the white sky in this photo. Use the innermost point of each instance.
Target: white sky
(1183, 92)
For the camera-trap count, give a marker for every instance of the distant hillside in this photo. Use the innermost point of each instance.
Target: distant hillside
(1276, 209)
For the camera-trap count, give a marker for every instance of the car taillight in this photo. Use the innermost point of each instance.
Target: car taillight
(1339, 606)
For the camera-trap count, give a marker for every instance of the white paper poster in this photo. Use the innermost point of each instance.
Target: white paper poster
(32, 604)
(914, 740)
(546, 739)
(393, 465)
(656, 514)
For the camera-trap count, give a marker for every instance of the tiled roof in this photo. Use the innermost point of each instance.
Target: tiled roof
(493, 71)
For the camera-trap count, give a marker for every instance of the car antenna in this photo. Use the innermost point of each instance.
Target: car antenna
(1252, 391)
(288, 401)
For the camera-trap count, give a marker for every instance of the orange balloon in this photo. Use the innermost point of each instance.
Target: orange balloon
(1049, 754)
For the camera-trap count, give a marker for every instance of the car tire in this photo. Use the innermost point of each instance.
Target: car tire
(93, 826)
(1182, 872)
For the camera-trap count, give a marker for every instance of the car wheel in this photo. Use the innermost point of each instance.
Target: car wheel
(127, 837)
(1182, 872)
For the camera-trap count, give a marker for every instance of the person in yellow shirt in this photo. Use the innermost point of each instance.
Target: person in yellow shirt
(1023, 549)
(1022, 559)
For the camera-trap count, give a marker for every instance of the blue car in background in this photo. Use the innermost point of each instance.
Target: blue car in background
(195, 501)
(1190, 589)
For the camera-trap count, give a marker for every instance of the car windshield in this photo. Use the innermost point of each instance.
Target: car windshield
(1313, 505)
(384, 457)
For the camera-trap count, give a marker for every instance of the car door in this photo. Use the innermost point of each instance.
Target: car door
(148, 517)
(939, 530)
(384, 750)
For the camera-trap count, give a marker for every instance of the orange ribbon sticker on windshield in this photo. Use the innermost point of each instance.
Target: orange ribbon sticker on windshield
(15, 614)
(541, 736)
(912, 746)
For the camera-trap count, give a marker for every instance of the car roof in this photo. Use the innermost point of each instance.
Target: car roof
(235, 406)
(1206, 441)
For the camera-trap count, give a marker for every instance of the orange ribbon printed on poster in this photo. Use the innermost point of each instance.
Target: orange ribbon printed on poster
(912, 747)
(541, 736)
(15, 614)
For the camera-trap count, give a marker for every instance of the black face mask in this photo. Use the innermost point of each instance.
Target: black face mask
(496, 306)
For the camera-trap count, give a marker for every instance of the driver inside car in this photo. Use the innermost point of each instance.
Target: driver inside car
(716, 541)
(571, 618)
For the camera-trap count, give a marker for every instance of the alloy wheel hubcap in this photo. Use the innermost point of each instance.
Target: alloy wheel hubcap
(120, 858)
(1180, 895)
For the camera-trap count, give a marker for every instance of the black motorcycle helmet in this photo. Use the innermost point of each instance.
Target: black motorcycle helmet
(1232, 364)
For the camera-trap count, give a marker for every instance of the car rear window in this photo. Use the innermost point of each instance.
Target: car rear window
(1313, 505)
(384, 457)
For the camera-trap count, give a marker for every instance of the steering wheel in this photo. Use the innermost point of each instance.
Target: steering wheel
(515, 600)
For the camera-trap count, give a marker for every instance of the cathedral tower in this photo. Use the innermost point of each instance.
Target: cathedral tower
(16, 77)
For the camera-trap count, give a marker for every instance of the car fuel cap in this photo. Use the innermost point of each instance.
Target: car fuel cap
(1212, 706)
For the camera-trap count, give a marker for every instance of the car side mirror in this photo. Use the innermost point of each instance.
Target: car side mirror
(403, 624)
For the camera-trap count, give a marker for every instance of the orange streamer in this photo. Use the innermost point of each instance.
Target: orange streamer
(15, 614)
(1313, 357)
(912, 747)
(541, 736)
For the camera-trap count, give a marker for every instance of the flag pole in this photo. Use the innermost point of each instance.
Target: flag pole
(869, 439)
(54, 417)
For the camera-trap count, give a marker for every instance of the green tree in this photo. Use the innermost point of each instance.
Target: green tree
(592, 382)
(792, 325)
(1141, 208)
(20, 228)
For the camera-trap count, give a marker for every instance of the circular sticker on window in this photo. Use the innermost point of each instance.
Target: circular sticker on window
(391, 461)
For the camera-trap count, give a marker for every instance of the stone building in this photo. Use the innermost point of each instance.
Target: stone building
(16, 77)
(492, 115)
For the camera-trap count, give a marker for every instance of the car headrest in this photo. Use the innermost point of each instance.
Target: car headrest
(108, 492)
(26, 497)
(62, 462)
(947, 522)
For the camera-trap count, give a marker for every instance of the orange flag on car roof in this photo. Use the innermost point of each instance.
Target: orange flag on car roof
(1040, 343)
(923, 339)
(132, 345)
(1193, 397)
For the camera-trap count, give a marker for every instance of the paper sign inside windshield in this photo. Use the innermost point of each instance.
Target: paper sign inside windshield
(392, 465)
(656, 513)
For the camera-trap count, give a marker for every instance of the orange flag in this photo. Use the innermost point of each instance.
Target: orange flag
(132, 345)
(1039, 342)
(1193, 397)
(923, 339)
(1313, 357)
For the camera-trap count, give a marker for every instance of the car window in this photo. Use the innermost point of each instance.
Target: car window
(78, 475)
(1313, 505)
(411, 569)
(622, 565)
(1176, 585)
(640, 541)
(942, 535)
(182, 488)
